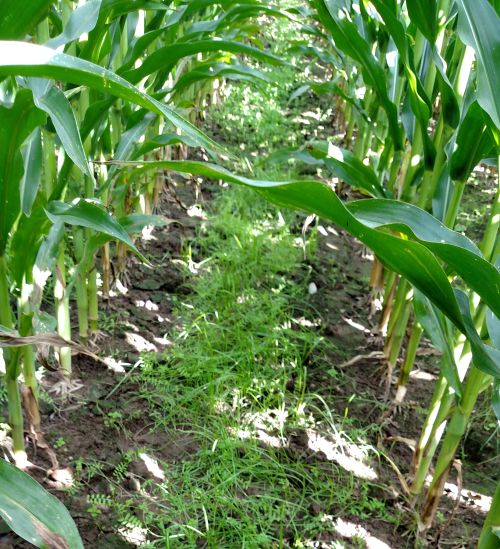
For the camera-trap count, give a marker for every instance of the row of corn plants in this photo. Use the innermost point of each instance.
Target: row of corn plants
(83, 83)
(124, 85)
(418, 84)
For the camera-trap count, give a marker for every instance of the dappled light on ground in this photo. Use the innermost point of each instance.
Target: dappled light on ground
(349, 456)
(135, 535)
(476, 500)
(152, 466)
(354, 532)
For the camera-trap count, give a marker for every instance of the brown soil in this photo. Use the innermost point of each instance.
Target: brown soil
(142, 317)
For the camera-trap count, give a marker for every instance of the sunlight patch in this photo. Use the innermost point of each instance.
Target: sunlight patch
(350, 530)
(349, 456)
(152, 466)
(356, 325)
(422, 376)
(140, 343)
(468, 497)
(259, 434)
(114, 365)
(134, 535)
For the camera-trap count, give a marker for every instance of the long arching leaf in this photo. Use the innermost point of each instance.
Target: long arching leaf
(33, 513)
(478, 27)
(23, 59)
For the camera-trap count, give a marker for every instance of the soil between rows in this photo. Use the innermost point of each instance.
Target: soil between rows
(340, 270)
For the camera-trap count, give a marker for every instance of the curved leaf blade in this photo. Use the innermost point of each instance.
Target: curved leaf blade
(478, 27)
(15, 23)
(84, 213)
(411, 259)
(52, 100)
(24, 59)
(33, 513)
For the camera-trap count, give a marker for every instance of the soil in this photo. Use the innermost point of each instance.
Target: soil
(141, 317)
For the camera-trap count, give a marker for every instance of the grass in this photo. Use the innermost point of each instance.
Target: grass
(234, 384)
(246, 455)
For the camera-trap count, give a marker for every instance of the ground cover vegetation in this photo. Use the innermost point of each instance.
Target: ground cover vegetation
(195, 366)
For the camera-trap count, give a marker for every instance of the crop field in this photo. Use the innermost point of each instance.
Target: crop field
(250, 274)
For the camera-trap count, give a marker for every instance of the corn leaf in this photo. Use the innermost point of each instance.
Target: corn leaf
(32, 153)
(478, 27)
(33, 513)
(17, 124)
(438, 330)
(18, 20)
(410, 259)
(166, 58)
(52, 100)
(424, 14)
(84, 213)
(348, 39)
(81, 20)
(23, 59)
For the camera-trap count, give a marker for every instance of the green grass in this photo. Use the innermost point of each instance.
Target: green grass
(234, 383)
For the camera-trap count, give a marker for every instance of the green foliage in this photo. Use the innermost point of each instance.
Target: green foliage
(33, 513)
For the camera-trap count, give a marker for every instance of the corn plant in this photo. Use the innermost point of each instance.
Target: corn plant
(108, 80)
(427, 115)
(424, 128)
(93, 80)
(33, 513)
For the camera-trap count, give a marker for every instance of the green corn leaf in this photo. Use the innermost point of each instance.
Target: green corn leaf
(209, 71)
(52, 100)
(420, 103)
(17, 123)
(366, 220)
(449, 100)
(478, 27)
(165, 58)
(340, 162)
(424, 14)
(493, 324)
(134, 223)
(33, 513)
(348, 39)
(32, 153)
(411, 259)
(128, 143)
(81, 20)
(162, 141)
(346, 166)
(495, 403)
(438, 330)
(27, 239)
(84, 213)
(18, 20)
(474, 142)
(456, 250)
(23, 59)
(485, 358)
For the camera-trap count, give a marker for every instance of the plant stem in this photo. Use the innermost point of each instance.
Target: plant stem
(16, 420)
(456, 428)
(62, 311)
(431, 434)
(488, 539)
(411, 353)
(81, 289)
(26, 329)
(491, 231)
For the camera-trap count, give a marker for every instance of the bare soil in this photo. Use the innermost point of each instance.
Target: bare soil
(340, 271)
